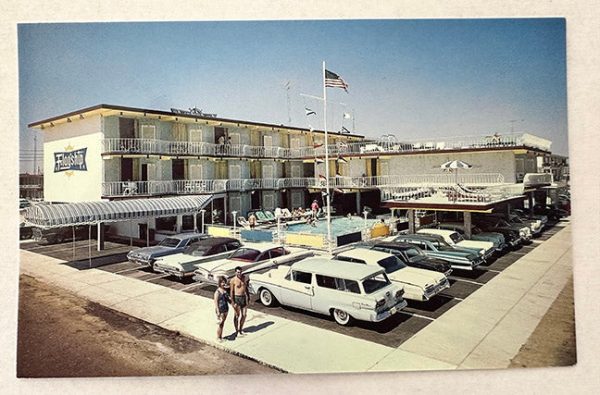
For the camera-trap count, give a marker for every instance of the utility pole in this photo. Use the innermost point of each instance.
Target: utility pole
(34, 153)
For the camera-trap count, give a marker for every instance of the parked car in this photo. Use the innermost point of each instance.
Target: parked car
(477, 234)
(343, 290)
(183, 264)
(175, 244)
(526, 214)
(250, 257)
(484, 248)
(24, 203)
(59, 235)
(495, 224)
(25, 231)
(551, 212)
(419, 284)
(409, 254)
(436, 247)
(535, 226)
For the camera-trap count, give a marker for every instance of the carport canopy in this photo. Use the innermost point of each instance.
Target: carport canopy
(91, 213)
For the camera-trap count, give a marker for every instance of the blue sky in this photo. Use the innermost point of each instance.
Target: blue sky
(412, 78)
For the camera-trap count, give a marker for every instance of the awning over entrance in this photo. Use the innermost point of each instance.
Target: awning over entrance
(89, 213)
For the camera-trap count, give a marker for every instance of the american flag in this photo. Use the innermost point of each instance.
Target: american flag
(332, 80)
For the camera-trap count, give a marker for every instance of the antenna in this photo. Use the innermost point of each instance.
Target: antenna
(287, 87)
(512, 124)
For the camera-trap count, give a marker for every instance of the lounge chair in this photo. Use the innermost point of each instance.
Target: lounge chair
(243, 222)
(270, 216)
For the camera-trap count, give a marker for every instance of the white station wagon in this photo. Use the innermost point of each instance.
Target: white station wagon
(484, 248)
(419, 284)
(342, 290)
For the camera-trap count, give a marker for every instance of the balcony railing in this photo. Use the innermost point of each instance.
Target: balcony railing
(164, 147)
(392, 187)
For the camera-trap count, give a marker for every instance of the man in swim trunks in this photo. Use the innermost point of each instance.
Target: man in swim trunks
(241, 297)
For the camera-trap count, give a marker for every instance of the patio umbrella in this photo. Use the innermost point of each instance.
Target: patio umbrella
(454, 165)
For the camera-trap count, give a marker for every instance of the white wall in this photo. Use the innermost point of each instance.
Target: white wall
(74, 186)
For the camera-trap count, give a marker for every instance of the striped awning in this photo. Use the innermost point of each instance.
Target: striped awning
(90, 213)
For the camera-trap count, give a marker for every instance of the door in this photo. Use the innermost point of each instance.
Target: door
(178, 169)
(297, 290)
(126, 169)
(126, 128)
(144, 172)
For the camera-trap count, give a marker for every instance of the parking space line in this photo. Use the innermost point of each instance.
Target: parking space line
(127, 270)
(466, 281)
(493, 271)
(417, 315)
(157, 277)
(192, 286)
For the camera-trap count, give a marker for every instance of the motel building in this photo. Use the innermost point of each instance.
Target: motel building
(146, 174)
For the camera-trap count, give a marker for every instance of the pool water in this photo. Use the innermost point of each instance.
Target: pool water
(339, 226)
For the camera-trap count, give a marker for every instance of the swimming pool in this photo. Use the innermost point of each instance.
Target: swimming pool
(339, 226)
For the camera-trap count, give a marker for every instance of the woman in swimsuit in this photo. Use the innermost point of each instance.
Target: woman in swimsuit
(222, 301)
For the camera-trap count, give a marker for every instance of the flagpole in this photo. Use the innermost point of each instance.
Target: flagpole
(326, 163)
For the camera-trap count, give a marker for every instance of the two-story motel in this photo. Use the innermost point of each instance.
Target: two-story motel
(109, 153)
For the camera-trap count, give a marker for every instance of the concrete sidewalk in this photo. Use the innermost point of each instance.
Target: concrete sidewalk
(484, 331)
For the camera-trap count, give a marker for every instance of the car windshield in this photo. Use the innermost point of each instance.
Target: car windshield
(197, 250)
(375, 282)
(246, 254)
(456, 238)
(169, 242)
(414, 254)
(391, 264)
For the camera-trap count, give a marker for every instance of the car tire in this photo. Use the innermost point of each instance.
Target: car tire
(267, 298)
(341, 317)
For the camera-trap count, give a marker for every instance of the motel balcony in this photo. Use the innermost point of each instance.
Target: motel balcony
(133, 146)
(117, 189)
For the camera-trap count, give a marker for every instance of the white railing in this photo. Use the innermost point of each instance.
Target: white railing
(366, 147)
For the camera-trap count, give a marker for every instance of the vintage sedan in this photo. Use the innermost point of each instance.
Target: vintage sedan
(206, 250)
(485, 248)
(418, 284)
(343, 290)
(435, 246)
(497, 224)
(251, 257)
(409, 254)
(175, 244)
(476, 234)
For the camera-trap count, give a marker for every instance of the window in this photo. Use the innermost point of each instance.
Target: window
(235, 203)
(195, 172)
(268, 201)
(148, 131)
(166, 223)
(233, 245)
(294, 142)
(235, 138)
(187, 222)
(412, 252)
(218, 249)
(196, 135)
(246, 254)
(235, 172)
(349, 259)
(391, 264)
(302, 277)
(326, 282)
(375, 283)
(169, 242)
(338, 283)
(276, 252)
(295, 171)
(268, 141)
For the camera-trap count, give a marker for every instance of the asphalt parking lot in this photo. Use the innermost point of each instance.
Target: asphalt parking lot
(391, 332)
